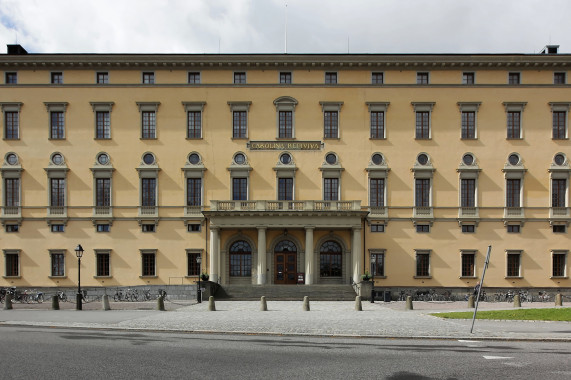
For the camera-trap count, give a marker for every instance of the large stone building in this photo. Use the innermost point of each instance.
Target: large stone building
(283, 168)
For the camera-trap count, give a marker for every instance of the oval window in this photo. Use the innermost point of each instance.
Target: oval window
(468, 159)
(331, 159)
(194, 158)
(377, 159)
(149, 159)
(513, 159)
(422, 159)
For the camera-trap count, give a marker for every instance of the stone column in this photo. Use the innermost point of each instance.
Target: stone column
(356, 254)
(214, 254)
(309, 259)
(261, 255)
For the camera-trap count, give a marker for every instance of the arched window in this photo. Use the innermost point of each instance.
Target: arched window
(240, 259)
(285, 246)
(330, 259)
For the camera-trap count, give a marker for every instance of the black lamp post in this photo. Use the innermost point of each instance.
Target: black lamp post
(198, 291)
(373, 278)
(79, 297)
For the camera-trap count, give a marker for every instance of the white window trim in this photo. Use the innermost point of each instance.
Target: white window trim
(101, 107)
(514, 252)
(240, 72)
(332, 107)
(469, 107)
(188, 77)
(148, 107)
(58, 251)
(423, 107)
(17, 252)
(561, 107)
(285, 103)
(10, 107)
(194, 107)
(379, 251)
(378, 107)
(98, 252)
(469, 252)
(565, 267)
(424, 252)
(149, 251)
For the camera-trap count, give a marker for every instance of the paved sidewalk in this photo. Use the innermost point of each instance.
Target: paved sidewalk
(287, 317)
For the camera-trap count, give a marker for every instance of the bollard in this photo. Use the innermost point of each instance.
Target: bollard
(105, 303)
(263, 304)
(8, 302)
(471, 304)
(408, 303)
(558, 300)
(358, 304)
(55, 303)
(306, 303)
(211, 305)
(161, 303)
(517, 301)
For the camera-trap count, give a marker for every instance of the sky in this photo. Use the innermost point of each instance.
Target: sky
(259, 26)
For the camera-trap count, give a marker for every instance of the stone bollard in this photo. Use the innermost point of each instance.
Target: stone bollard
(558, 299)
(263, 304)
(211, 305)
(55, 303)
(8, 302)
(517, 301)
(408, 303)
(161, 303)
(306, 303)
(471, 304)
(105, 302)
(358, 304)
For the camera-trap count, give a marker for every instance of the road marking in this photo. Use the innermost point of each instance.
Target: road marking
(468, 341)
(497, 357)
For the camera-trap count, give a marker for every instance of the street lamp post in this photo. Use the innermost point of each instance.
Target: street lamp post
(198, 291)
(373, 278)
(79, 297)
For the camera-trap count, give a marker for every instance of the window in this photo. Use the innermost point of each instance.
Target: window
(57, 78)
(558, 192)
(239, 189)
(58, 228)
(11, 78)
(422, 78)
(330, 259)
(514, 78)
(423, 228)
(12, 228)
(377, 124)
(194, 227)
(148, 227)
(148, 260)
(514, 125)
(194, 125)
(12, 264)
(240, 125)
(102, 125)
(148, 78)
(468, 264)
(377, 78)
(285, 189)
(240, 78)
(559, 264)
(192, 268)
(377, 227)
(331, 124)
(330, 189)
(11, 120)
(559, 78)
(194, 191)
(149, 125)
(57, 192)
(468, 228)
(559, 125)
(330, 78)
(423, 125)
(102, 78)
(103, 192)
(285, 77)
(103, 227)
(11, 192)
(423, 264)
(377, 192)
(240, 259)
(513, 192)
(57, 125)
(148, 192)
(468, 192)
(378, 264)
(422, 192)
(468, 78)
(285, 124)
(194, 77)
(558, 229)
(468, 125)
(102, 260)
(513, 228)
(513, 264)
(58, 264)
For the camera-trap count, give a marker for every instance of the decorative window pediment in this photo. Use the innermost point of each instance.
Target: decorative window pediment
(378, 167)
(194, 167)
(285, 167)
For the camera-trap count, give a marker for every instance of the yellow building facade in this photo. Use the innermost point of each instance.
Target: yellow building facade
(285, 169)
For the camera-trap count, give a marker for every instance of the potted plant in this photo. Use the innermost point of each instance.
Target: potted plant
(204, 276)
(366, 277)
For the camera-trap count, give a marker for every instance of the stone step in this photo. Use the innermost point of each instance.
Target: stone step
(287, 292)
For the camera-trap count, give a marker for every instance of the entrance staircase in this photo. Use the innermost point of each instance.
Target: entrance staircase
(286, 292)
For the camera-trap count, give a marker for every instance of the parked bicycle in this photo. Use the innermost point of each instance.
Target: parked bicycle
(61, 296)
(146, 295)
(35, 296)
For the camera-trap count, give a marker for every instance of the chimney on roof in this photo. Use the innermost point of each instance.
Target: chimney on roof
(550, 49)
(16, 50)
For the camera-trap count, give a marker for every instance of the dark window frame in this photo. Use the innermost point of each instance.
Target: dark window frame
(102, 125)
(377, 122)
(285, 124)
(331, 124)
(468, 125)
(559, 125)
(423, 78)
(239, 188)
(194, 125)
(103, 264)
(285, 77)
(240, 124)
(12, 125)
(513, 264)
(377, 77)
(194, 77)
(57, 125)
(422, 130)
(468, 78)
(468, 264)
(422, 264)
(148, 264)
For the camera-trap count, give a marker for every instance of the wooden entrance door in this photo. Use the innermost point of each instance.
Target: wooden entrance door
(285, 268)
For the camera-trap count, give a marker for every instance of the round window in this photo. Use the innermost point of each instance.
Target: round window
(468, 159)
(12, 159)
(103, 159)
(559, 159)
(422, 159)
(331, 159)
(513, 159)
(285, 158)
(57, 159)
(377, 159)
(194, 158)
(240, 158)
(149, 159)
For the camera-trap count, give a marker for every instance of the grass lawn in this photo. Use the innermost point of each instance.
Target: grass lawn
(560, 314)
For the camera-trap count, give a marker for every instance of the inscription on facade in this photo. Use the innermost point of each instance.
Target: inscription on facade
(285, 145)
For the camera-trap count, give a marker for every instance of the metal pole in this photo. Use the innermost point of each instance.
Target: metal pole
(198, 292)
(78, 305)
(481, 286)
(373, 283)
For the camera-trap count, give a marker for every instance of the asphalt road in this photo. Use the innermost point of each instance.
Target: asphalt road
(58, 353)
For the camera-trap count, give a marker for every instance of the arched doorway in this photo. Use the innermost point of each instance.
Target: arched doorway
(285, 263)
(330, 259)
(240, 259)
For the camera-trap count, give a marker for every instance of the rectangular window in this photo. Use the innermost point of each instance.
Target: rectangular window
(514, 78)
(469, 125)
(11, 125)
(58, 264)
(57, 128)
(240, 189)
(58, 228)
(240, 125)
(559, 127)
(194, 125)
(148, 78)
(103, 125)
(149, 126)
(102, 78)
(148, 261)
(514, 124)
(468, 228)
(56, 78)
(422, 125)
(148, 228)
(558, 190)
(421, 78)
(378, 264)
(57, 192)
(377, 192)
(468, 193)
(331, 124)
(240, 78)
(12, 264)
(558, 78)
(513, 191)
(194, 191)
(513, 228)
(103, 192)
(330, 78)
(12, 192)
(103, 261)
(423, 228)
(194, 227)
(377, 228)
(422, 264)
(422, 192)
(513, 264)
(148, 192)
(12, 228)
(468, 78)
(285, 124)
(11, 78)
(194, 78)
(285, 189)
(558, 228)
(192, 265)
(377, 78)
(377, 124)
(103, 227)
(559, 264)
(468, 264)
(331, 189)
(285, 78)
